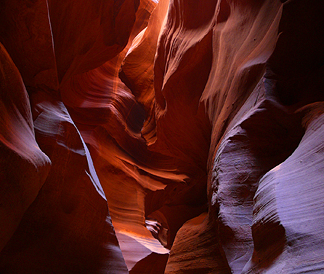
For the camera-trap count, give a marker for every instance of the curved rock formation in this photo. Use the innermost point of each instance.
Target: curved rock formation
(198, 124)
(68, 222)
(24, 167)
(244, 230)
(67, 227)
(282, 225)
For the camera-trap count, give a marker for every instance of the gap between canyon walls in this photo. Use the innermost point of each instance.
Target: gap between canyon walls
(197, 123)
(61, 220)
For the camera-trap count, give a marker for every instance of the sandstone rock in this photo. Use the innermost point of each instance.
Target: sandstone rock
(249, 137)
(110, 121)
(197, 123)
(68, 222)
(288, 216)
(89, 33)
(24, 167)
(67, 228)
(25, 31)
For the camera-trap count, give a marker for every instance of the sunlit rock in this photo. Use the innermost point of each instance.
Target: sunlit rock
(165, 136)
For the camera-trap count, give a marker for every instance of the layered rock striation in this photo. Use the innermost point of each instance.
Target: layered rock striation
(161, 137)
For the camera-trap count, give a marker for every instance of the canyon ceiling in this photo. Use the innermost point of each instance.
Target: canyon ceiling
(178, 136)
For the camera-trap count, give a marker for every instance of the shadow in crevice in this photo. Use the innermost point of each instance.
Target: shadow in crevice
(152, 264)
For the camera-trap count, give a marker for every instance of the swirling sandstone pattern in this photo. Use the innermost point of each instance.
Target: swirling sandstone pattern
(199, 124)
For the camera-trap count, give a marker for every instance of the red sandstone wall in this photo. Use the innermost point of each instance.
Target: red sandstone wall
(197, 123)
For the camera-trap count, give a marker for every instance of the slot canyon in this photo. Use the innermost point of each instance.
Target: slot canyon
(161, 136)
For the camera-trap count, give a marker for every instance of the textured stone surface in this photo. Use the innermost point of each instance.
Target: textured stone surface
(24, 166)
(89, 32)
(25, 32)
(251, 136)
(199, 124)
(68, 222)
(287, 215)
(65, 227)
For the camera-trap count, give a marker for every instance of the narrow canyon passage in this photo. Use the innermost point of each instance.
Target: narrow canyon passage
(170, 136)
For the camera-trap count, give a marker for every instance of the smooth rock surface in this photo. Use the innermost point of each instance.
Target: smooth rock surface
(165, 136)
(68, 222)
(24, 167)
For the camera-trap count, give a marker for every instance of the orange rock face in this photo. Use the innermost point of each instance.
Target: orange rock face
(24, 167)
(170, 136)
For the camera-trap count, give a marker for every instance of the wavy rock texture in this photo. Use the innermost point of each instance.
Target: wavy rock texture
(89, 32)
(282, 228)
(244, 231)
(110, 120)
(68, 222)
(198, 124)
(24, 167)
(25, 32)
(67, 227)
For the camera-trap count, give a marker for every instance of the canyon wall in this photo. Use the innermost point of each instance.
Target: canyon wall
(161, 137)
